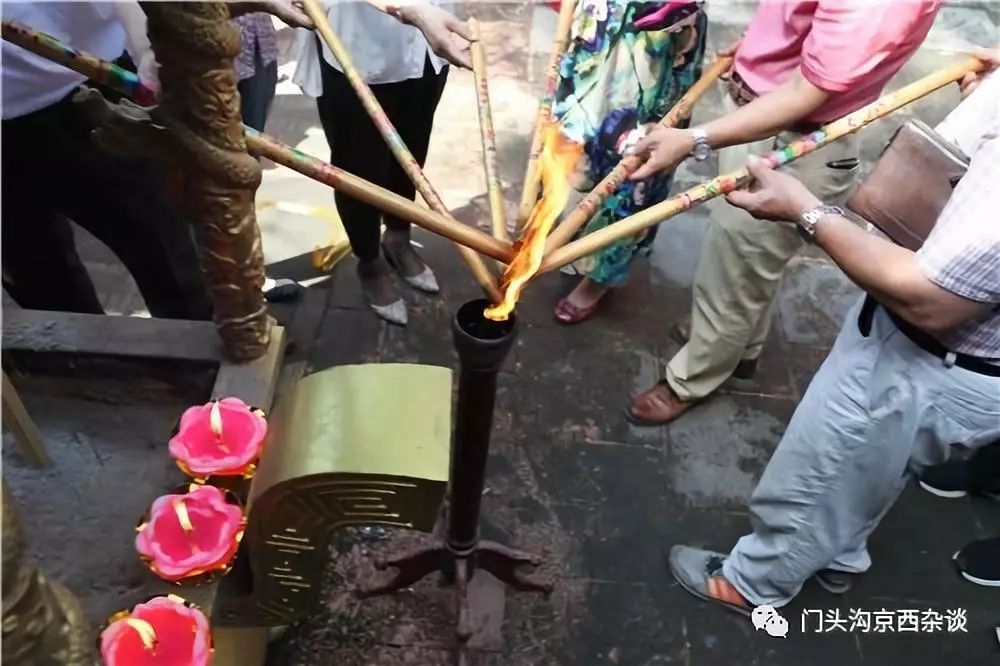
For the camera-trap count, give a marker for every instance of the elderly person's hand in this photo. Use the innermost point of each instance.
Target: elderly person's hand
(773, 195)
(447, 36)
(971, 81)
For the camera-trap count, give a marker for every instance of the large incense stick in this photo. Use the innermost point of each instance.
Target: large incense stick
(95, 69)
(678, 112)
(128, 83)
(395, 142)
(532, 177)
(381, 198)
(487, 134)
(726, 183)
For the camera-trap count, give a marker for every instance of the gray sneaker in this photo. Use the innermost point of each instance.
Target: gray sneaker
(700, 573)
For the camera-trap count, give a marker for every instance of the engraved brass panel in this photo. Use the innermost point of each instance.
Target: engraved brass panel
(352, 445)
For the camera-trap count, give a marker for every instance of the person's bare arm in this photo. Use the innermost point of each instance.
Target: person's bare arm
(886, 271)
(133, 18)
(783, 107)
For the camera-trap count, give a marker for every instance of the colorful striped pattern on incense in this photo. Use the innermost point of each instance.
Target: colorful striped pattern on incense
(95, 69)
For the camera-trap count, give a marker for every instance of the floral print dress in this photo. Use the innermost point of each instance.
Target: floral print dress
(626, 65)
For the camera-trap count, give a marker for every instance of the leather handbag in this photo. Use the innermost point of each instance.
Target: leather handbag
(910, 184)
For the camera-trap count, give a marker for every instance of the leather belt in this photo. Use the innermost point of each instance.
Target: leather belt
(925, 341)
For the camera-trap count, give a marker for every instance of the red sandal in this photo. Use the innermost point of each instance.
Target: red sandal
(569, 314)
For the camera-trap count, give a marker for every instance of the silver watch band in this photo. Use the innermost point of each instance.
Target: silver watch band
(701, 149)
(807, 221)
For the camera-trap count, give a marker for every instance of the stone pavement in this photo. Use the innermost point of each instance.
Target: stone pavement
(568, 475)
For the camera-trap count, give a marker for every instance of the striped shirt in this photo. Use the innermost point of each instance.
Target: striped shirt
(962, 253)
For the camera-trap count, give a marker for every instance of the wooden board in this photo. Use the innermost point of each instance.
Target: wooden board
(139, 337)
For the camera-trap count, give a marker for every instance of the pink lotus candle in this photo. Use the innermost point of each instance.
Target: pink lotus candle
(190, 535)
(164, 631)
(222, 438)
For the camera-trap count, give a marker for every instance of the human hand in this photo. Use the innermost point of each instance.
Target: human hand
(731, 49)
(773, 195)
(729, 52)
(149, 71)
(663, 149)
(447, 36)
(290, 12)
(971, 81)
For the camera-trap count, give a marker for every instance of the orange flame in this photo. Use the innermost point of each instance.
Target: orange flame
(559, 156)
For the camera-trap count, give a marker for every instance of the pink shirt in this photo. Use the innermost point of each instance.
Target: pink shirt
(850, 48)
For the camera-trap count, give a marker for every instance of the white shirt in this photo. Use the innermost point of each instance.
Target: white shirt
(382, 49)
(31, 82)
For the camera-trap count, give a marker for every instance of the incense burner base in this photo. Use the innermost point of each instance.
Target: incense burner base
(504, 563)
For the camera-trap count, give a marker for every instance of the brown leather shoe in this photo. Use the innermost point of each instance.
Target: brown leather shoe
(657, 406)
(681, 333)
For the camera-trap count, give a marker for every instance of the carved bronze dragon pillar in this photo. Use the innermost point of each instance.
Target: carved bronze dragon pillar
(215, 179)
(43, 624)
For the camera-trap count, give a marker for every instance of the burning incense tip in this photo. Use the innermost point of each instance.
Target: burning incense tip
(559, 157)
(215, 420)
(182, 516)
(145, 630)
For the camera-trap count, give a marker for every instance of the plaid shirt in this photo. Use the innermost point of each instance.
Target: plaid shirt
(962, 253)
(257, 34)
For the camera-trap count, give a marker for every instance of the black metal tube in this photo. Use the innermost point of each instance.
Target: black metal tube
(482, 347)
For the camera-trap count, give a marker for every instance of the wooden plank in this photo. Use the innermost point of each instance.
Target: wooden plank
(17, 420)
(44, 331)
(138, 337)
(253, 382)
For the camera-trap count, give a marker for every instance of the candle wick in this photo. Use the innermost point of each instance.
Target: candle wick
(182, 516)
(145, 630)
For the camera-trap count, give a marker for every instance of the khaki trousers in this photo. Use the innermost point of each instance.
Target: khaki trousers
(741, 265)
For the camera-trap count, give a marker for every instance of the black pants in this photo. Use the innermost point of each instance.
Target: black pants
(257, 93)
(357, 147)
(52, 172)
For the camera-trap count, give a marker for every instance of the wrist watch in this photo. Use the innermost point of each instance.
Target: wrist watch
(808, 220)
(701, 149)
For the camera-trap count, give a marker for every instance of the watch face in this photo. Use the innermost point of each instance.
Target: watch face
(701, 151)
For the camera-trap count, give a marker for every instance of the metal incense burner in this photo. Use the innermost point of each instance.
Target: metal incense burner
(482, 347)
